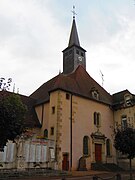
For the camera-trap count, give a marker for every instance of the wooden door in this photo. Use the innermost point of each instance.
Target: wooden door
(98, 152)
(65, 162)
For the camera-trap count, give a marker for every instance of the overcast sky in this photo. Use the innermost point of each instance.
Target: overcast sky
(33, 34)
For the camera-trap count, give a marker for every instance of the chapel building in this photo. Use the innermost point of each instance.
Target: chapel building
(70, 120)
(75, 112)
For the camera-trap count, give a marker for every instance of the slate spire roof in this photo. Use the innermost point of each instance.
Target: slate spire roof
(74, 39)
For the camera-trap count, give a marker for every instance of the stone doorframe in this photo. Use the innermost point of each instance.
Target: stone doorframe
(98, 138)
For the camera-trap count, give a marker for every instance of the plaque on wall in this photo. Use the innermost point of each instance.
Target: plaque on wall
(32, 153)
(38, 153)
(44, 153)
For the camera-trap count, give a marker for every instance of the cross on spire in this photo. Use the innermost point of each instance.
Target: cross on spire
(74, 13)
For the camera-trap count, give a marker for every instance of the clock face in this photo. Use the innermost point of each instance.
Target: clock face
(80, 58)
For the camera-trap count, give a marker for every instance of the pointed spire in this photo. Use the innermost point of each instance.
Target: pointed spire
(74, 39)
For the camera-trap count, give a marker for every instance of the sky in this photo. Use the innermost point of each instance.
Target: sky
(33, 34)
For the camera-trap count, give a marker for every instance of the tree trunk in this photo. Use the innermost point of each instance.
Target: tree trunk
(130, 162)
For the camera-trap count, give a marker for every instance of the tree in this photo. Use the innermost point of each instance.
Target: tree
(124, 142)
(12, 114)
(5, 83)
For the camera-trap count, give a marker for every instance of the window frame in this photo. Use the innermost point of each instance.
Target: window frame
(108, 147)
(97, 119)
(86, 146)
(52, 131)
(127, 99)
(67, 96)
(124, 121)
(53, 109)
(46, 133)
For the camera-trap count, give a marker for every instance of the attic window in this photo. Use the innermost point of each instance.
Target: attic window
(95, 94)
(127, 98)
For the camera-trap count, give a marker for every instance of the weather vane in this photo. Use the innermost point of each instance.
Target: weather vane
(74, 13)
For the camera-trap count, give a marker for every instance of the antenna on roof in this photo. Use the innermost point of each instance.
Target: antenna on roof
(14, 88)
(102, 76)
(17, 90)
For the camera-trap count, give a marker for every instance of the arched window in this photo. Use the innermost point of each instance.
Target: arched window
(97, 119)
(108, 147)
(86, 145)
(46, 133)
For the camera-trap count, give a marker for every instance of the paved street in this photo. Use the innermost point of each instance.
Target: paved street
(107, 176)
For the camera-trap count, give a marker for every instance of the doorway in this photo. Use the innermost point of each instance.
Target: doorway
(98, 152)
(65, 162)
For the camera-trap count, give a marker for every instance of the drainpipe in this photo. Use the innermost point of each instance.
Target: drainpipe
(71, 133)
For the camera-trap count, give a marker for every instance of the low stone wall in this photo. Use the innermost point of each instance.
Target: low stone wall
(15, 173)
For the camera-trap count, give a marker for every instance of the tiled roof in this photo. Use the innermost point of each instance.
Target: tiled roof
(119, 100)
(31, 119)
(79, 82)
(119, 96)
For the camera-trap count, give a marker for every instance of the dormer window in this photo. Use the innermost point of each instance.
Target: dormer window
(127, 99)
(95, 94)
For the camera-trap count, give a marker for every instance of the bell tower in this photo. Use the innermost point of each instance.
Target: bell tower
(74, 54)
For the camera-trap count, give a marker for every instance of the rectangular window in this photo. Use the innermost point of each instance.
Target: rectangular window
(53, 110)
(124, 121)
(67, 96)
(52, 131)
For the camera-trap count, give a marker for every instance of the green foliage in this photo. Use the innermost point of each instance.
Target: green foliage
(124, 141)
(12, 114)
